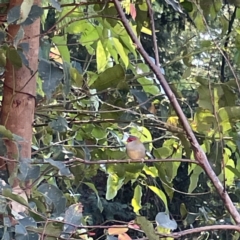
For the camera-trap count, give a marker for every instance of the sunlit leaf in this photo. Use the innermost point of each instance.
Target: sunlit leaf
(161, 195)
(114, 183)
(137, 199)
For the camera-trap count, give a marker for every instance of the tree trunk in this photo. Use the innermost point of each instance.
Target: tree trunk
(19, 97)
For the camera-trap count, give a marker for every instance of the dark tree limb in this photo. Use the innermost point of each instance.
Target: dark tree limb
(230, 25)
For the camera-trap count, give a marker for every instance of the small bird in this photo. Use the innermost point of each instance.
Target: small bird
(135, 148)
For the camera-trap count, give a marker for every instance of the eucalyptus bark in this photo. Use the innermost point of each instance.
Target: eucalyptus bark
(19, 96)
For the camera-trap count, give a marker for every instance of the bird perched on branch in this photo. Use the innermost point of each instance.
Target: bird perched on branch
(135, 148)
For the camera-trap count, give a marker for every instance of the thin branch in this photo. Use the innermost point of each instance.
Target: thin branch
(230, 25)
(114, 161)
(199, 154)
(201, 229)
(150, 11)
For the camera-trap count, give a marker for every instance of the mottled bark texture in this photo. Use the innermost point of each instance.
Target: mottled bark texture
(19, 95)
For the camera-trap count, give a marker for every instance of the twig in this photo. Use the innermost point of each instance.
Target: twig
(150, 11)
(114, 161)
(201, 229)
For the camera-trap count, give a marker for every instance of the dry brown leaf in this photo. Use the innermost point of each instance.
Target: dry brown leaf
(117, 230)
(124, 236)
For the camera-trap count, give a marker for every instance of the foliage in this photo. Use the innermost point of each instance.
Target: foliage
(93, 87)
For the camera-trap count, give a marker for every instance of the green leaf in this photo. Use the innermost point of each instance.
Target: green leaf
(90, 35)
(136, 200)
(60, 124)
(149, 86)
(229, 113)
(6, 133)
(77, 27)
(114, 183)
(204, 120)
(61, 166)
(61, 42)
(161, 195)
(91, 186)
(121, 51)
(102, 57)
(147, 227)
(187, 5)
(162, 153)
(76, 77)
(53, 197)
(72, 218)
(112, 50)
(194, 178)
(51, 75)
(111, 77)
(98, 133)
(205, 101)
(17, 198)
(151, 171)
(14, 57)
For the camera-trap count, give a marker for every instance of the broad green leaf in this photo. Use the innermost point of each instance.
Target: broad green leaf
(194, 178)
(205, 97)
(162, 153)
(6, 133)
(204, 120)
(53, 197)
(112, 50)
(149, 86)
(91, 186)
(14, 58)
(161, 195)
(13, 14)
(2, 58)
(229, 175)
(60, 124)
(102, 57)
(137, 199)
(76, 77)
(126, 41)
(61, 42)
(114, 183)
(77, 27)
(121, 51)
(151, 171)
(90, 35)
(50, 229)
(147, 227)
(17, 198)
(198, 19)
(111, 77)
(146, 31)
(98, 133)
(229, 113)
(27, 171)
(51, 76)
(92, 77)
(61, 166)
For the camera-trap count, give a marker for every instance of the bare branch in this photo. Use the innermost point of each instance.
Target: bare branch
(199, 154)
